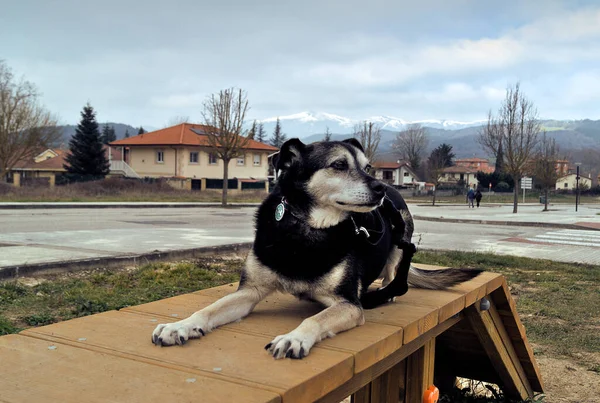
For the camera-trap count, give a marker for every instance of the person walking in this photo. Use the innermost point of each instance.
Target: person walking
(478, 197)
(471, 197)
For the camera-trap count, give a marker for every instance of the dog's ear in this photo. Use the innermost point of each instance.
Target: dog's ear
(290, 153)
(355, 143)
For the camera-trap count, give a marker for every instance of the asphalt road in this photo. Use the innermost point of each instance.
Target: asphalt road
(37, 236)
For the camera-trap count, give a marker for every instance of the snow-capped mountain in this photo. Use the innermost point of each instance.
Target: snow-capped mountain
(304, 124)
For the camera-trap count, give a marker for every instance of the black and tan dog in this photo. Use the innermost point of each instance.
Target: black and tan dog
(326, 233)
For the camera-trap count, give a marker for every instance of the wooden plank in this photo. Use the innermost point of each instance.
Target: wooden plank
(419, 372)
(429, 363)
(476, 288)
(497, 349)
(448, 303)
(363, 395)
(504, 302)
(362, 378)
(386, 388)
(233, 356)
(414, 320)
(279, 314)
(36, 370)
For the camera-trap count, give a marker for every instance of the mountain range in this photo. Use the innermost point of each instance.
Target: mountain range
(311, 126)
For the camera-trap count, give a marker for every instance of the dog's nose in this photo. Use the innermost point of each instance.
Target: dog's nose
(378, 188)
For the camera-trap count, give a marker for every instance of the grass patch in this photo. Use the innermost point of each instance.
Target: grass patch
(531, 197)
(120, 190)
(60, 299)
(559, 303)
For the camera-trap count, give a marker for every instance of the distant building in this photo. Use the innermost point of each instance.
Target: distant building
(396, 174)
(569, 182)
(465, 170)
(182, 153)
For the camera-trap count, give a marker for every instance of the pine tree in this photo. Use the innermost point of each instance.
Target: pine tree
(140, 131)
(327, 135)
(108, 134)
(87, 156)
(261, 135)
(127, 133)
(499, 159)
(252, 132)
(278, 137)
(105, 133)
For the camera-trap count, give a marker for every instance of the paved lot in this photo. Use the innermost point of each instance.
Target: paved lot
(36, 236)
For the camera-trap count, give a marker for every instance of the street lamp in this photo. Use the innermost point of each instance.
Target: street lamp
(577, 186)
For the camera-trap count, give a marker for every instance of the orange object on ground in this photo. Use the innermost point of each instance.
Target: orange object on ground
(431, 395)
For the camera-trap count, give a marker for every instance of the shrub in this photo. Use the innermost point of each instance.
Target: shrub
(502, 187)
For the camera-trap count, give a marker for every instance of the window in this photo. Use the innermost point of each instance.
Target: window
(256, 160)
(212, 159)
(566, 185)
(194, 157)
(406, 174)
(160, 157)
(388, 175)
(241, 160)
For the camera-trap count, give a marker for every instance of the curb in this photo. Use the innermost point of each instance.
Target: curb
(12, 272)
(509, 223)
(104, 206)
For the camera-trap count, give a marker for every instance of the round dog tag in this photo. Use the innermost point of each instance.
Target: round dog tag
(279, 211)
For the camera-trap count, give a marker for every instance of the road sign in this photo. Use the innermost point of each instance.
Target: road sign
(526, 183)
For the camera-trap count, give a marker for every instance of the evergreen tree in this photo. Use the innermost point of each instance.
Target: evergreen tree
(87, 156)
(108, 134)
(140, 131)
(127, 133)
(327, 135)
(278, 137)
(499, 159)
(252, 132)
(261, 135)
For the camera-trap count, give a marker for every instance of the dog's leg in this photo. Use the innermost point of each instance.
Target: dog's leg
(338, 317)
(389, 271)
(226, 310)
(256, 283)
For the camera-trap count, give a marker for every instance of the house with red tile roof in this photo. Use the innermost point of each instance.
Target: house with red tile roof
(183, 152)
(47, 165)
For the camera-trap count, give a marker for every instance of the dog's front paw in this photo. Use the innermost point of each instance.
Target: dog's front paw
(295, 344)
(180, 332)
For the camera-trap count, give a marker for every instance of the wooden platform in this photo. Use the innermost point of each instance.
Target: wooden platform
(392, 357)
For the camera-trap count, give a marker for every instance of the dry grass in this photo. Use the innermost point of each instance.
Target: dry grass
(119, 190)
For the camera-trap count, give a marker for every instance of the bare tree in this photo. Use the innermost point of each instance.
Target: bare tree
(545, 165)
(515, 131)
(224, 114)
(369, 135)
(327, 135)
(25, 126)
(440, 158)
(411, 144)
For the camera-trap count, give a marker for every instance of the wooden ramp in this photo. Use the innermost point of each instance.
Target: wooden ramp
(402, 349)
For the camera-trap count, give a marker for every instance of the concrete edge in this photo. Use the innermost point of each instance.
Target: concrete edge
(103, 206)
(509, 223)
(13, 272)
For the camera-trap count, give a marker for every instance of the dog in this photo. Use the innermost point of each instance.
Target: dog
(326, 232)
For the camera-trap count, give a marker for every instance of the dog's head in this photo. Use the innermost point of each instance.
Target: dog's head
(332, 174)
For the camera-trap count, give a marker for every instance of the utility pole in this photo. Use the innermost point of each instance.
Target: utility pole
(577, 187)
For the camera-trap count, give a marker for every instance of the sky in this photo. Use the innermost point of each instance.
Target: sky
(146, 62)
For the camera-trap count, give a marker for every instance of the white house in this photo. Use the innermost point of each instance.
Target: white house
(396, 173)
(569, 182)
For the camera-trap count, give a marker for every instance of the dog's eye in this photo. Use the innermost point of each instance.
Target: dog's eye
(367, 167)
(340, 165)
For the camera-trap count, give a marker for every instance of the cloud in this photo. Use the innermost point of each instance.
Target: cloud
(417, 60)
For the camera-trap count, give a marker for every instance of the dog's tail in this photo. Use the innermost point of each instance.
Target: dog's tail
(418, 278)
(439, 279)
